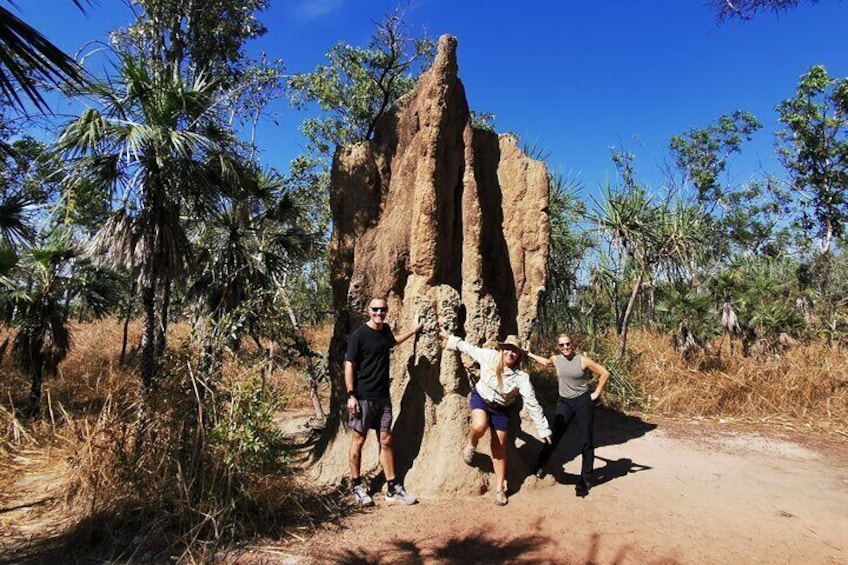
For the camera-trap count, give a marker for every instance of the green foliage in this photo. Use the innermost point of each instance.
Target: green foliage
(681, 303)
(745, 218)
(764, 292)
(244, 436)
(209, 36)
(357, 86)
(703, 153)
(814, 150)
(483, 121)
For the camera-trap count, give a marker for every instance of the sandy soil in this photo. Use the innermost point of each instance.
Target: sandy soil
(669, 493)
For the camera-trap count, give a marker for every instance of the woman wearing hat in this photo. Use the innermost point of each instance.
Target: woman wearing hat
(501, 382)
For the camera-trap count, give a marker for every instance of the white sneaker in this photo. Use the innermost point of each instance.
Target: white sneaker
(361, 496)
(400, 496)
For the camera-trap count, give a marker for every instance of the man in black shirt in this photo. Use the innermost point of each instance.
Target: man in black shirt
(368, 403)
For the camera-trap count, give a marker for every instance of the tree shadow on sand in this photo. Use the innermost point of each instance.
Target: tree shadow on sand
(474, 548)
(483, 548)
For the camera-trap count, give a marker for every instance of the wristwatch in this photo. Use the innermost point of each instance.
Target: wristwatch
(351, 394)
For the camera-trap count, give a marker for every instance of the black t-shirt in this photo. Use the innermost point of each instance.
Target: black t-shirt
(370, 351)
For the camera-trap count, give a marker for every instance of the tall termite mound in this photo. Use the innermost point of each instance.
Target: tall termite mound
(450, 221)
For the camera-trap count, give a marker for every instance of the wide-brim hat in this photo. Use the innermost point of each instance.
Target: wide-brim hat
(511, 342)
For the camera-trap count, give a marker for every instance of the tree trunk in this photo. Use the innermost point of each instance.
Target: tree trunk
(35, 389)
(162, 325)
(148, 338)
(305, 350)
(625, 319)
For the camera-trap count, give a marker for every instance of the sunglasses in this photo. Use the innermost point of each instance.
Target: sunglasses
(568, 344)
(382, 309)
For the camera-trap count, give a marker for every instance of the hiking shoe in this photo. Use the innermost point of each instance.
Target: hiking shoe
(468, 454)
(500, 498)
(400, 496)
(361, 496)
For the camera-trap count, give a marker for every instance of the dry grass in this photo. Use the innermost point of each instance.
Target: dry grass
(90, 412)
(88, 421)
(806, 385)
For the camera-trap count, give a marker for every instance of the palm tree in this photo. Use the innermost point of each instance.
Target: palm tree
(244, 250)
(37, 301)
(14, 229)
(156, 140)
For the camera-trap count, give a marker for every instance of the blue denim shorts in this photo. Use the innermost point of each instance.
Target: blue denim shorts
(498, 415)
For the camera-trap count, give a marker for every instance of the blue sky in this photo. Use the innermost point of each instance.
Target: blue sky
(576, 78)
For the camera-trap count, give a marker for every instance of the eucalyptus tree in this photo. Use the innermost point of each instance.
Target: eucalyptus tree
(814, 149)
(154, 137)
(740, 217)
(358, 85)
(209, 37)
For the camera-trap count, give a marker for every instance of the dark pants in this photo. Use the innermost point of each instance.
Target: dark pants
(582, 410)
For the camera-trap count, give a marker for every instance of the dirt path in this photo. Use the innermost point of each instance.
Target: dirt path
(676, 493)
(667, 493)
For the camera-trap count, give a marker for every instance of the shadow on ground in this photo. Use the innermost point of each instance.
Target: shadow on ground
(611, 428)
(483, 548)
(127, 534)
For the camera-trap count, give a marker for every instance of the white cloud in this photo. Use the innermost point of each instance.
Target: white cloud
(313, 9)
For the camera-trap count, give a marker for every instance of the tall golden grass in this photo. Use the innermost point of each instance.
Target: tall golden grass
(90, 416)
(91, 408)
(805, 385)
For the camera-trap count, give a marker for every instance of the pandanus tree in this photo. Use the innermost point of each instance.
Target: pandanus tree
(650, 238)
(155, 138)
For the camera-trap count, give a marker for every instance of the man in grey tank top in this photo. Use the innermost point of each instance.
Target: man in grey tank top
(574, 371)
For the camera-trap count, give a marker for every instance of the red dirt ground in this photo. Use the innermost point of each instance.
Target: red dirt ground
(677, 492)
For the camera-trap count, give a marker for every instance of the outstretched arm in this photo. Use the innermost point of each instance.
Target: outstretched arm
(544, 361)
(482, 356)
(403, 337)
(599, 370)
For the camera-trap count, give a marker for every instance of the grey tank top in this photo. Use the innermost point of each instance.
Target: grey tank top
(572, 378)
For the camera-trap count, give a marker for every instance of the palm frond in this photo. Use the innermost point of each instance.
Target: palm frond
(27, 57)
(14, 227)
